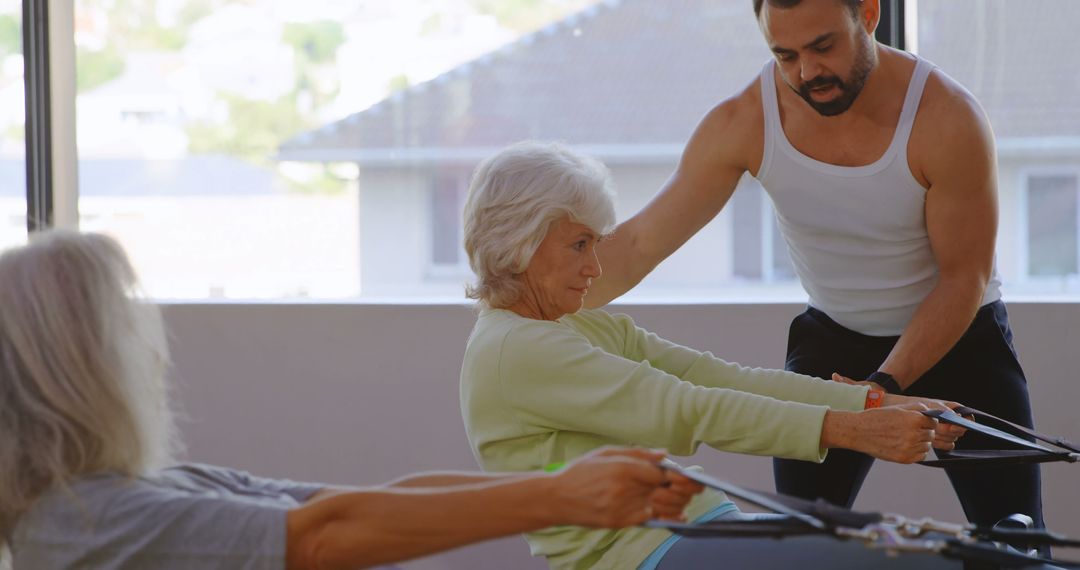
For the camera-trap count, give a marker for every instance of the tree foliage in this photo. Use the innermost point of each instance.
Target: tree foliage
(10, 35)
(94, 68)
(315, 41)
(254, 130)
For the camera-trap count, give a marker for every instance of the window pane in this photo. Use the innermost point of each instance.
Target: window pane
(623, 81)
(760, 254)
(748, 201)
(1035, 113)
(182, 105)
(782, 269)
(447, 197)
(1052, 226)
(12, 127)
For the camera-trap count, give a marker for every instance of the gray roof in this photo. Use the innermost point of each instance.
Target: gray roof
(200, 175)
(1015, 57)
(623, 72)
(639, 74)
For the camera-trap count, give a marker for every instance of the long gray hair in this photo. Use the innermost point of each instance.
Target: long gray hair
(82, 370)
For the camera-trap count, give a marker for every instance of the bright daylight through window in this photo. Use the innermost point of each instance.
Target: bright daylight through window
(277, 149)
(12, 127)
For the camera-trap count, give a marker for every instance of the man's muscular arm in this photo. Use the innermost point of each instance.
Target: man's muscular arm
(957, 161)
(710, 168)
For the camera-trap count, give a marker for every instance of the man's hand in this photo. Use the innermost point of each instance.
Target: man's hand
(615, 488)
(945, 435)
(901, 434)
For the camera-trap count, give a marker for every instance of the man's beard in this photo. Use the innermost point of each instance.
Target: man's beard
(849, 90)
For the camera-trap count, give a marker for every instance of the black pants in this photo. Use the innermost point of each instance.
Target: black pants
(981, 371)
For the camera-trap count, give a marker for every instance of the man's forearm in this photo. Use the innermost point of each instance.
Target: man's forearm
(940, 321)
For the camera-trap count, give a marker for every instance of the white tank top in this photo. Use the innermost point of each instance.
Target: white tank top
(857, 235)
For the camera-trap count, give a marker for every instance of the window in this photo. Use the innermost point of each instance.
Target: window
(760, 252)
(1053, 227)
(1032, 105)
(181, 107)
(596, 75)
(196, 119)
(263, 149)
(449, 189)
(12, 127)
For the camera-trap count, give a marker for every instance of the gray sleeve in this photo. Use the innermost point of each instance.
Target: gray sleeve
(140, 526)
(165, 530)
(244, 482)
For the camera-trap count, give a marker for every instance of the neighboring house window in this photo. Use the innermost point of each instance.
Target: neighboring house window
(447, 203)
(760, 252)
(1053, 225)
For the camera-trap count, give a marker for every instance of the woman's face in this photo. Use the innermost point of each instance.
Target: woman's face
(560, 272)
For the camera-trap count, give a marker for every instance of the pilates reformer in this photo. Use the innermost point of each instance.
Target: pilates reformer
(1012, 543)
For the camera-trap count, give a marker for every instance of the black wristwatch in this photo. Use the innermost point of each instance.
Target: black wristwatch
(885, 380)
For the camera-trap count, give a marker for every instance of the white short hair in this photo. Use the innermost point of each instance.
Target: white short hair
(82, 369)
(513, 200)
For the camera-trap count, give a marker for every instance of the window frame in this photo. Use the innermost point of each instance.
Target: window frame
(48, 28)
(36, 87)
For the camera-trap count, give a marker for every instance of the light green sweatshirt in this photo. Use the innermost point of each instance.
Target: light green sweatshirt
(537, 392)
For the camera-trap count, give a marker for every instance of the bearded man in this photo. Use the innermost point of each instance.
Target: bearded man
(883, 176)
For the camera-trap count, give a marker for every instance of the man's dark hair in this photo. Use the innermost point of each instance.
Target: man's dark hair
(852, 5)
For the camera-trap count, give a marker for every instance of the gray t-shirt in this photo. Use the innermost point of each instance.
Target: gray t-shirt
(189, 516)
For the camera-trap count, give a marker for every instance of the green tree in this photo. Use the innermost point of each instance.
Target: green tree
(398, 83)
(133, 26)
(315, 45)
(317, 42)
(254, 131)
(10, 35)
(94, 68)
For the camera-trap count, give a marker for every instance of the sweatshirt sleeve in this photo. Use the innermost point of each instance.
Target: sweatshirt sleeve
(704, 369)
(552, 376)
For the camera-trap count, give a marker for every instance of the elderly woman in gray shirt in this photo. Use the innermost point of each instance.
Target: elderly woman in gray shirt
(85, 425)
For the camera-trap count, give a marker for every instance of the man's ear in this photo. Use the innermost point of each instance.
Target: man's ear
(870, 15)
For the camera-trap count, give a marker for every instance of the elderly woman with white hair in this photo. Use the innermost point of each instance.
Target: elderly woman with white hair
(85, 430)
(544, 381)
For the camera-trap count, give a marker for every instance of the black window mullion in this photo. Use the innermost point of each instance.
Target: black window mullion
(890, 30)
(39, 198)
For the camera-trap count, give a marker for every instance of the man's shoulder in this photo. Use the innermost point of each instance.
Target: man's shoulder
(946, 102)
(950, 128)
(731, 133)
(742, 110)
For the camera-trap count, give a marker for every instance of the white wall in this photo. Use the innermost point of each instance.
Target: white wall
(360, 393)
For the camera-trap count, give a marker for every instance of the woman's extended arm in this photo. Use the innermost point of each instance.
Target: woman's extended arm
(556, 378)
(354, 529)
(429, 480)
(704, 369)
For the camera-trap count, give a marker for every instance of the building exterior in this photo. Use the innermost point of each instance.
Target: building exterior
(627, 80)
